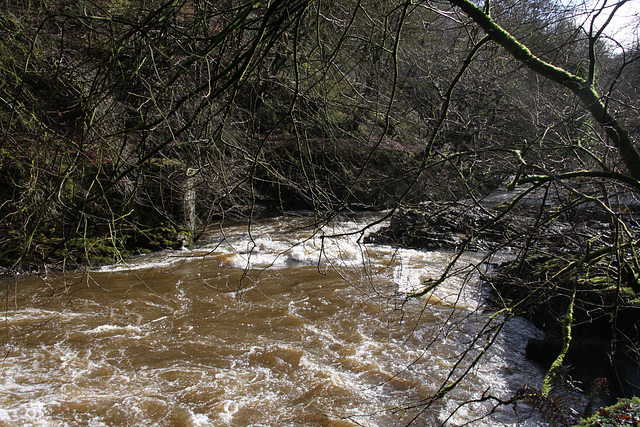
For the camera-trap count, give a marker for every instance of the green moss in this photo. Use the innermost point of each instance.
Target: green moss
(627, 292)
(162, 237)
(157, 164)
(597, 281)
(626, 412)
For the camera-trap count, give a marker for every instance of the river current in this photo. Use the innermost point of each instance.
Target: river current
(280, 323)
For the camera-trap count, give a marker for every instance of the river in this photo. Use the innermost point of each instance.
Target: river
(273, 324)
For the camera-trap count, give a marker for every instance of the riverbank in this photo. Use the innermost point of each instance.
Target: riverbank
(567, 261)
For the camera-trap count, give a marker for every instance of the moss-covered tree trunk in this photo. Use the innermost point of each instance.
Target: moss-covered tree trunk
(583, 89)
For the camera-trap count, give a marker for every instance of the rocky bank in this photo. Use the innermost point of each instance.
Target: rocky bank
(556, 251)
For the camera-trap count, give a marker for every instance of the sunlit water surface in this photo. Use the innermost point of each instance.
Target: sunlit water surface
(278, 324)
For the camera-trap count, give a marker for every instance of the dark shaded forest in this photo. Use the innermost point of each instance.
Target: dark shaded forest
(129, 126)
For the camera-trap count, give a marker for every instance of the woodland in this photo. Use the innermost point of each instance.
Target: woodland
(129, 126)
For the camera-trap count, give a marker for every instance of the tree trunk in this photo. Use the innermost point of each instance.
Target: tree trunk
(618, 134)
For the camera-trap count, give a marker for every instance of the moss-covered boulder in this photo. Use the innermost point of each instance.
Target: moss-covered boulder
(626, 412)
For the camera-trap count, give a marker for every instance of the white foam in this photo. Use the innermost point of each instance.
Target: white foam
(161, 259)
(284, 242)
(280, 242)
(200, 420)
(30, 315)
(106, 330)
(33, 413)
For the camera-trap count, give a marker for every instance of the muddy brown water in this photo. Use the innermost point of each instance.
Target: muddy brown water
(278, 324)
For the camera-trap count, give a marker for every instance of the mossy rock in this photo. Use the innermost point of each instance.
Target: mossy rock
(626, 412)
(155, 238)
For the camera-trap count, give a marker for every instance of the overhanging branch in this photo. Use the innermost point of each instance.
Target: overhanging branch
(585, 91)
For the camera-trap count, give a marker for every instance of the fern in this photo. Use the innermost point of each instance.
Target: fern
(556, 406)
